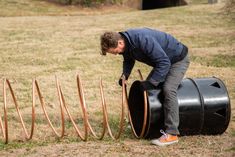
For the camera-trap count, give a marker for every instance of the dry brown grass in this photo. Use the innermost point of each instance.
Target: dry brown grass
(44, 46)
(41, 8)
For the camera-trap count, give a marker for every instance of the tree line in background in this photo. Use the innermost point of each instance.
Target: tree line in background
(86, 2)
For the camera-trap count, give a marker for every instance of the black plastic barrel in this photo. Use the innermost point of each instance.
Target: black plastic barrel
(204, 107)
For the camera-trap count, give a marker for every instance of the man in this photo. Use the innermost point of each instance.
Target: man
(169, 60)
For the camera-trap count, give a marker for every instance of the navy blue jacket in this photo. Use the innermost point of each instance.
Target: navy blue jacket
(152, 47)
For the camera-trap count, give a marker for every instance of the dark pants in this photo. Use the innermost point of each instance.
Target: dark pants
(170, 86)
(170, 105)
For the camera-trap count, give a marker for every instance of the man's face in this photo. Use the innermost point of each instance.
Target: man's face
(119, 49)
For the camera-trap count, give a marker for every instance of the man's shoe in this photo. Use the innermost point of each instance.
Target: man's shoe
(165, 139)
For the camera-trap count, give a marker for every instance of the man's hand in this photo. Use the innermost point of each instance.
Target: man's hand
(120, 80)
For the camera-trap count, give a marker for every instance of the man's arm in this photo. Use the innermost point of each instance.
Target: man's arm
(128, 64)
(156, 55)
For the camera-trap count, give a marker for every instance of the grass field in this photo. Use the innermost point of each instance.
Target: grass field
(34, 44)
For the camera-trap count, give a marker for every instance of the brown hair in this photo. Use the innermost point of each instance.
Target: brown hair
(109, 40)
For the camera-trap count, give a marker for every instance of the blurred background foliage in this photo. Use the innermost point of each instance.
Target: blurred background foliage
(87, 2)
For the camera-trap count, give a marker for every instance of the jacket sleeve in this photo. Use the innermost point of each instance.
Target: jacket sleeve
(128, 64)
(152, 49)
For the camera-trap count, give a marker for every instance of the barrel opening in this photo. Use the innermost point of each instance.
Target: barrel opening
(136, 107)
(216, 84)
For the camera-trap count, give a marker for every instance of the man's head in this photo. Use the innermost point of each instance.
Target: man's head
(112, 42)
